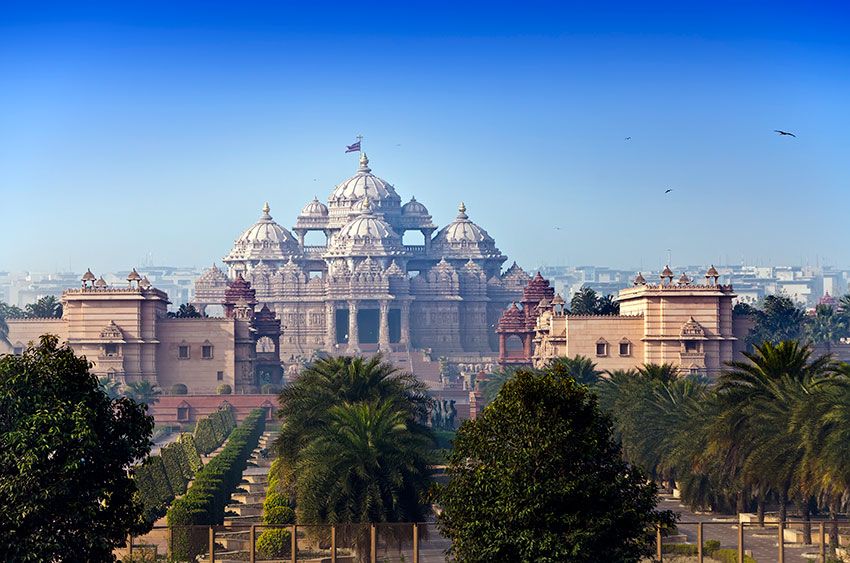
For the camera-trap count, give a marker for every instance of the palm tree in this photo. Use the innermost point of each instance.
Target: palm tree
(365, 465)
(583, 302)
(4, 331)
(827, 326)
(330, 381)
(663, 373)
(46, 307)
(492, 383)
(607, 306)
(754, 425)
(142, 391)
(580, 368)
(111, 387)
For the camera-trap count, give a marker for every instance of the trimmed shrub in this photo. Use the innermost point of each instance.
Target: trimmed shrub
(679, 548)
(175, 469)
(187, 442)
(274, 543)
(179, 389)
(730, 556)
(710, 546)
(224, 389)
(204, 502)
(278, 515)
(273, 499)
(212, 430)
(270, 389)
(153, 487)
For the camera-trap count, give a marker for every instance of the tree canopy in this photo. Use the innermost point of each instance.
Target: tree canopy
(66, 451)
(539, 477)
(587, 302)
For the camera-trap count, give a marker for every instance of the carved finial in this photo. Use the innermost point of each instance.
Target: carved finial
(266, 210)
(364, 162)
(462, 211)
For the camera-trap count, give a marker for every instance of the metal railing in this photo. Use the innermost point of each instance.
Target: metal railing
(332, 543)
(741, 547)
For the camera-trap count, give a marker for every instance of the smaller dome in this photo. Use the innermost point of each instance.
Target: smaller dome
(145, 283)
(265, 240)
(315, 209)
(413, 207)
(667, 272)
(684, 279)
(639, 279)
(100, 283)
(544, 304)
(134, 276)
(462, 237)
(558, 300)
(88, 276)
(712, 272)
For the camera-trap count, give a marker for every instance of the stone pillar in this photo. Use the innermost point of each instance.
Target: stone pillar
(330, 325)
(427, 233)
(353, 338)
(526, 347)
(502, 349)
(405, 323)
(384, 326)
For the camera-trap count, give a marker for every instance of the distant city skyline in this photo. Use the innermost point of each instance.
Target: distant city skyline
(163, 128)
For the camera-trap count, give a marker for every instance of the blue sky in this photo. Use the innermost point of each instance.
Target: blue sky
(129, 128)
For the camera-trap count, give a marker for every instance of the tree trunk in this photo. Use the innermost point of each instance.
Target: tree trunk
(783, 505)
(833, 525)
(741, 504)
(807, 522)
(760, 509)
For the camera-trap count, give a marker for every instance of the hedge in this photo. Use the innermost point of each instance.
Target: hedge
(153, 487)
(212, 430)
(187, 441)
(274, 543)
(174, 459)
(204, 503)
(730, 556)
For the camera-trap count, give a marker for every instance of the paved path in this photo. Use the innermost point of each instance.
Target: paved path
(761, 543)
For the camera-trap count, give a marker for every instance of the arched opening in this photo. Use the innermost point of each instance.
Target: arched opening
(514, 345)
(413, 238)
(315, 238)
(265, 345)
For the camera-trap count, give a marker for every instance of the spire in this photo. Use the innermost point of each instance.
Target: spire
(266, 210)
(462, 211)
(364, 163)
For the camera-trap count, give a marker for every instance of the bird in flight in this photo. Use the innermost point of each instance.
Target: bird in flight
(557, 228)
(781, 132)
(628, 138)
(668, 190)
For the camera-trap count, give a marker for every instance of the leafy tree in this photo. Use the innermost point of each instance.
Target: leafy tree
(581, 368)
(606, 305)
(743, 309)
(185, 311)
(539, 477)
(4, 331)
(778, 319)
(493, 382)
(66, 492)
(142, 391)
(11, 311)
(46, 307)
(826, 327)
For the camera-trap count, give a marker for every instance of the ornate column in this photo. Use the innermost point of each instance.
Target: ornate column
(330, 325)
(405, 323)
(384, 325)
(353, 338)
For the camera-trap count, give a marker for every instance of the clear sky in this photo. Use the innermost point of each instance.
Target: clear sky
(129, 128)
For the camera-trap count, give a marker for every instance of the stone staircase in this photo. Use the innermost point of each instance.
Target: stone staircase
(246, 505)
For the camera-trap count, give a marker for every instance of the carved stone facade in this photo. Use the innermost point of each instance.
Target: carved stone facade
(686, 324)
(364, 289)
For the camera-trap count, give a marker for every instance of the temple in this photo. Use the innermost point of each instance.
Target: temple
(364, 288)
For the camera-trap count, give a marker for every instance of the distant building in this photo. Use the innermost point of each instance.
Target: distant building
(686, 324)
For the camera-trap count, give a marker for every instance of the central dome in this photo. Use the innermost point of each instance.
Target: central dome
(366, 234)
(365, 184)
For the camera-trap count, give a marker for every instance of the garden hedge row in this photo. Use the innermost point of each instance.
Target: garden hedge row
(204, 503)
(162, 477)
(213, 430)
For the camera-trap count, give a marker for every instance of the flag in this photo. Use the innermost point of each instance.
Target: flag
(353, 148)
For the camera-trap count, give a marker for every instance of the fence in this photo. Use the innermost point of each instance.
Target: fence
(749, 541)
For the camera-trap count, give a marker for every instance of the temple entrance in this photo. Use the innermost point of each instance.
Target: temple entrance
(395, 325)
(368, 325)
(342, 326)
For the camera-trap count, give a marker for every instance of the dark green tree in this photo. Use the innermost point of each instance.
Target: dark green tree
(827, 327)
(606, 305)
(490, 384)
(185, 311)
(777, 319)
(66, 449)
(11, 311)
(538, 477)
(46, 307)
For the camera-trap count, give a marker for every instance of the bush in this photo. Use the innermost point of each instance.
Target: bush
(730, 556)
(224, 389)
(710, 546)
(274, 542)
(274, 499)
(176, 467)
(153, 487)
(278, 515)
(179, 389)
(204, 502)
(212, 430)
(187, 442)
(270, 389)
(679, 548)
